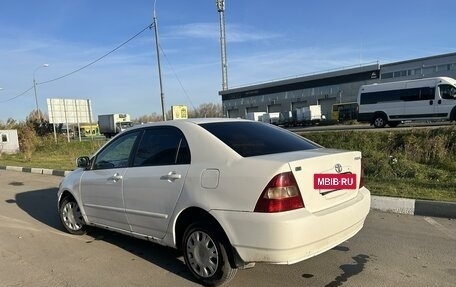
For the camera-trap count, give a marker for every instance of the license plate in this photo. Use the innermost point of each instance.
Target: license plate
(329, 181)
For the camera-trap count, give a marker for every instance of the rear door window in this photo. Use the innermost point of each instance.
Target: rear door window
(162, 146)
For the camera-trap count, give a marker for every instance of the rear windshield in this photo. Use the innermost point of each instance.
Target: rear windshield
(253, 138)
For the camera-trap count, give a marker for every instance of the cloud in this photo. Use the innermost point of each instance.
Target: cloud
(211, 31)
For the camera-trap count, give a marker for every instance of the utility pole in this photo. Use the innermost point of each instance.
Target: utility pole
(34, 88)
(221, 10)
(162, 95)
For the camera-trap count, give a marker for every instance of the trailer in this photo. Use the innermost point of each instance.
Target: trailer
(271, 118)
(112, 124)
(310, 115)
(255, 116)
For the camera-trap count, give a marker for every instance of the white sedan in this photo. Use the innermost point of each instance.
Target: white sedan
(227, 192)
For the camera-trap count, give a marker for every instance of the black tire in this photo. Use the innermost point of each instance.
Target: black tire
(394, 124)
(453, 115)
(71, 217)
(206, 257)
(379, 121)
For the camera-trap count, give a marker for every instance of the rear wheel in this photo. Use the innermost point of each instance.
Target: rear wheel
(71, 216)
(206, 257)
(379, 120)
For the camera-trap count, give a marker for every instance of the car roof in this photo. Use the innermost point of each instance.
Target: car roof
(197, 121)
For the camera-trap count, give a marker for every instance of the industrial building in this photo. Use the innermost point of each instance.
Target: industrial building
(327, 89)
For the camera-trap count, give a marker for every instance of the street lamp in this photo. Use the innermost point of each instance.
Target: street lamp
(34, 88)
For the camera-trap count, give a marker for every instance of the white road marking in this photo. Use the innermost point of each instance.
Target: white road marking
(451, 234)
(10, 222)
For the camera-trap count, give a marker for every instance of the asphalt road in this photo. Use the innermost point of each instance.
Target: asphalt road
(391, 250)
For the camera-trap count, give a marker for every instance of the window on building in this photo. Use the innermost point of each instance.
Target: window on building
(445, 67)
(387, 75)
(4, 138)
(429, 70)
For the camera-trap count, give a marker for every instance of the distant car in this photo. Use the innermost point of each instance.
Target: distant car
(227, 192)
(66, 132)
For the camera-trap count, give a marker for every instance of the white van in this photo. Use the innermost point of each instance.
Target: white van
(423, 99)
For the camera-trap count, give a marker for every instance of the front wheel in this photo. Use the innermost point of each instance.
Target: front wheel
(379, 121)
(453, 115)
(206, 257)
(71, 216)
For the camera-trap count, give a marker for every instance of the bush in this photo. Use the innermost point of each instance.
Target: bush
(28, 140)
(425, 154)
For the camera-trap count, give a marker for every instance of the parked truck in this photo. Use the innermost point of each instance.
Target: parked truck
(304, 116)
(309, 115)
(255, 116)
(271, 118)
(113, 124)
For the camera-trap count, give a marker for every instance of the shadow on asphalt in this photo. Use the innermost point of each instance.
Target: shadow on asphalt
(42, 206)
(350, 270)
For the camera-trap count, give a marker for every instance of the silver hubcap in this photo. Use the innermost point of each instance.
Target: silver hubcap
(378, 122)
(202, 254)
(72, 216)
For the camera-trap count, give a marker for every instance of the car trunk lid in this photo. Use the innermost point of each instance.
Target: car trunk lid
(319, 176)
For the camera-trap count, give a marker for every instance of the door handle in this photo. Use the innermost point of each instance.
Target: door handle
(431, 102)
(171, 176)
(116, 177)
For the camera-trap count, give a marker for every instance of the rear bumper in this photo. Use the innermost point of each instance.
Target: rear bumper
(290, 237)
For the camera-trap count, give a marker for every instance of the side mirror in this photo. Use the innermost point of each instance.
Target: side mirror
(83, 162)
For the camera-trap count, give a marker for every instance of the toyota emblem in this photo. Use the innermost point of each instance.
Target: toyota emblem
(338, 168)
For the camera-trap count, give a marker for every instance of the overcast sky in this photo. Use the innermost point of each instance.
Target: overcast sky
(266, 40)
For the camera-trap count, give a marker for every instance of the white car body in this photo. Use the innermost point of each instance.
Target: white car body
(151, 202)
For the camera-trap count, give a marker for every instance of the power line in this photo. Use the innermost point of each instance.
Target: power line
(178, 80)
(100, 58)
(15, 97)
(83, 67)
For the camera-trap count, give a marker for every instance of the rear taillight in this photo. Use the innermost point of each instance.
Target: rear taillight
(361, 180)
(281, 194)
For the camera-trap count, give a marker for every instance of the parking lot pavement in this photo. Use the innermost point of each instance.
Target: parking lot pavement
(391, 250)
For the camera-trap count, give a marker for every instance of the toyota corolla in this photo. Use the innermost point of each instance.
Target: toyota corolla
(227, 192)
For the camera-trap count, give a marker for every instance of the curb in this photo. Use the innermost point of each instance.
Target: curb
(382, 203)
(414, 206)
(36, 170)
